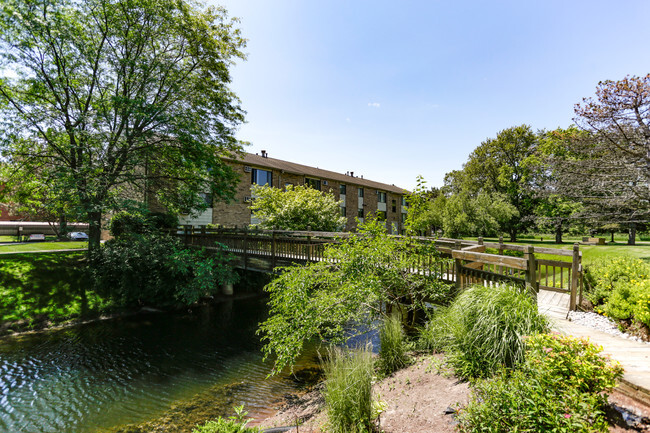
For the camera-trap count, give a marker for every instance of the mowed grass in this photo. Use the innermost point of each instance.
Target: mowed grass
(44, 286)
(42, 246)
(589, 252)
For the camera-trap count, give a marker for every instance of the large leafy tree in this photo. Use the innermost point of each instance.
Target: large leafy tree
(608, 165)
(297, 208)
(507, 165)
(106, 100)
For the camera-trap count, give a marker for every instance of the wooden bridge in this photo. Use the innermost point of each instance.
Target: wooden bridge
(554, 274)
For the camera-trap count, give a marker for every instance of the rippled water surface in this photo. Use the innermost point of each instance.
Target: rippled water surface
(98, 376)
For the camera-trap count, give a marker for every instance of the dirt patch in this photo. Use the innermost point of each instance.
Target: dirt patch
(420, 398)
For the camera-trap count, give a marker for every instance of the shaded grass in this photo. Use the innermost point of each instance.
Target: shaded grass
(45, 286)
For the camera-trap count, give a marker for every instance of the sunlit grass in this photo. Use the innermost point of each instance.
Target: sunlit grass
(42, 246)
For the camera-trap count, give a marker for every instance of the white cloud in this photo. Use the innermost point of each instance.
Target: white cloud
(374, 104)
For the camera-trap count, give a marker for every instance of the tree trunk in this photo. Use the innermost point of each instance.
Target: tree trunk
(63, 226)
(612, 237)
(94, 231)
(631, 239)
(513, 235)
(558, 233)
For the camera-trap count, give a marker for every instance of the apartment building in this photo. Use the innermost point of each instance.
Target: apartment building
(359, 197)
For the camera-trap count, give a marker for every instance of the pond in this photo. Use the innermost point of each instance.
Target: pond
(173, 368)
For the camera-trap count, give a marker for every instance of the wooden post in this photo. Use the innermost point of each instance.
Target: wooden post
(531, 271)
(309, 244)
(245, 247)
(480, 240)
(575, 268)
(500, 268)
(273, 249)
(457, 266)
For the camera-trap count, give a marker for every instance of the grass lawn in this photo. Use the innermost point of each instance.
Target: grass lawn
(40, 246)
(589, 252)
(43, 286)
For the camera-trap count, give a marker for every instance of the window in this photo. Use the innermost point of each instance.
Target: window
(342, 189)
(381, 215)
(360, 213)
(313, 183)
(393, 205)
(381, 197)
(404, 203)
(261, 177)
(361, 192)
(403, 217)
(344, 211)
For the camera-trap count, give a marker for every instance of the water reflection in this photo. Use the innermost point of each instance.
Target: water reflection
(97, 376)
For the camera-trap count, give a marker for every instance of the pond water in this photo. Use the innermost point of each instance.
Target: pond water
(104, 375)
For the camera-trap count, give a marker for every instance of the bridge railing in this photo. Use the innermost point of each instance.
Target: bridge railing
(471, 262)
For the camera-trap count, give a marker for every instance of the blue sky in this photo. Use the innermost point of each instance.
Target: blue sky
(392, 90)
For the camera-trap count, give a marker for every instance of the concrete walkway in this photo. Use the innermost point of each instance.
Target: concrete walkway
(633, 356)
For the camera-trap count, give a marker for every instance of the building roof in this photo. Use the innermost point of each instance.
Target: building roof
(293, 168)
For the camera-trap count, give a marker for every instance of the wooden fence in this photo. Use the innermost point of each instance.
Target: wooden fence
(471, 262)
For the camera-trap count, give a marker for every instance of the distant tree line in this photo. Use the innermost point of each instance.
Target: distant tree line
(591, 177)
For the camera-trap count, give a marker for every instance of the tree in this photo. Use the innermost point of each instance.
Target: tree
(296, 208)
(482, 215)
(507, 165)
(608, 170)
(359, 277)
(117, 99)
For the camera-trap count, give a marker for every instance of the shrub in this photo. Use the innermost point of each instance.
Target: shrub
(482, 329)
(348, 391)
(604, 275)
(572, 361)
(561, 388)
(157, 269)
(136, 222)
(392, 352)
(221, 425)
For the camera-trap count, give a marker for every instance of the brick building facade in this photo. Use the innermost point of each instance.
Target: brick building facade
(360, 197)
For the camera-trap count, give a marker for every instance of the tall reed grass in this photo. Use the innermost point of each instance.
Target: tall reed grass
(348, 390)
(482, 329)
(392, 350)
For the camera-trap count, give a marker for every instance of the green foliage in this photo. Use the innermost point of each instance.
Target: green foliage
(138, 222)
(157, 269)
(521, 402)
(604, 274)
(234, 424)
(348, 391)
(481, 215)
(297, 208)
(559, 388)
(359, 274)
(80, 128)
(571, 361)
(419, 215)
(482, 329)
(507, 165)
(392, 351)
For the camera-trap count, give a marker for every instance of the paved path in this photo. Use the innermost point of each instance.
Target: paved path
(633, 356)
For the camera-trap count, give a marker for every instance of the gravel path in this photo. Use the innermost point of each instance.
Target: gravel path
(601, 323)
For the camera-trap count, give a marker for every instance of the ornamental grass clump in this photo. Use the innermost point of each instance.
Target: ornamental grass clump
(481, 331)
(348, 391)
(562, 387)
(392, 350)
